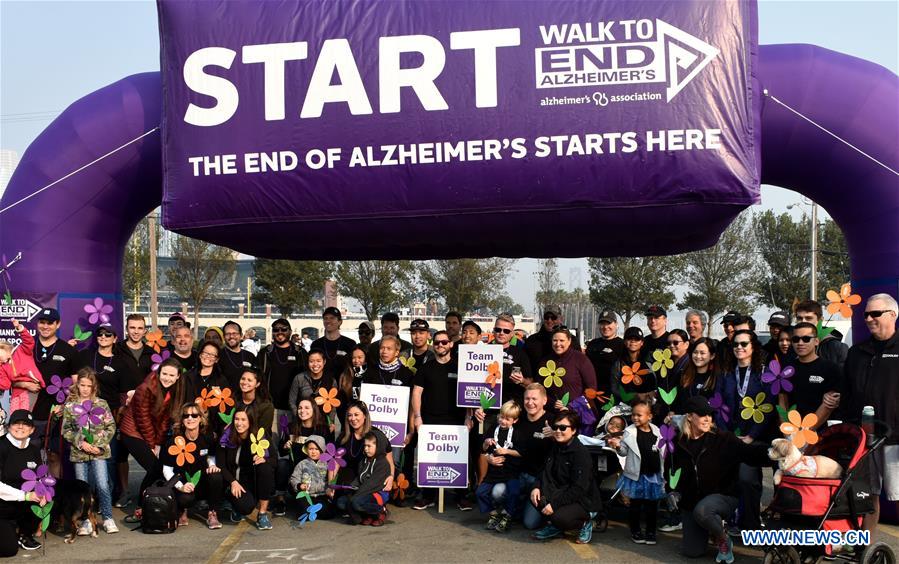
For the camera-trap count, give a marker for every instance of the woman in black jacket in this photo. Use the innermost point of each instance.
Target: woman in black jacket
(248, 468)
(566, 493)
(704, 468)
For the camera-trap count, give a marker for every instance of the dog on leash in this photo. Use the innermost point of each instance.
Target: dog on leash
(793, 463)
(73, 502)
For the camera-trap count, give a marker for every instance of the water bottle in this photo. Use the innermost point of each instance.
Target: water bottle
(868, 423)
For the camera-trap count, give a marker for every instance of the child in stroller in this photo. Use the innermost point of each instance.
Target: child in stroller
(606, 462)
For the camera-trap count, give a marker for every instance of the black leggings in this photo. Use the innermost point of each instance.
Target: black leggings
(209, 488)
(569, 517)
(15, 519)
(258, 483)
(648, 507)
(142, 452)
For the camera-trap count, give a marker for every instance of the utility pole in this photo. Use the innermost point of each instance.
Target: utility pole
(154, 313)
(249, 292)
(814, 271)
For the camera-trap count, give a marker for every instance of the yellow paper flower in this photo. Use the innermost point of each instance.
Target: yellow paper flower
(756, 409)
(409, 363)
(552, 376)
(663, 362)
(800, 430)
(258, 443)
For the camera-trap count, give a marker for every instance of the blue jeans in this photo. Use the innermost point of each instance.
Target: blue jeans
(531, 516)
(503, 494)
(99, 479)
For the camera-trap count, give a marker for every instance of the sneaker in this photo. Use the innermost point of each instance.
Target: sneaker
(586, 533)
(649, 538)
(671, 527)
(638, 538)
(421, 504)
(492, 521)
(504, 523)
(85, 529)
(135, 517)
(109, 526)
(366, 521)
(123, 500)
(547, 533)
(725, 550)
(263, 522)
(29, 543)
(733, 531)
(235, 517)
(465, 505)
(379, 520)
(212, 521)
(279, 508)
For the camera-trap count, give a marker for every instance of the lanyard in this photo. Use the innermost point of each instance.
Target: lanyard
(745, 385)
(507, 444)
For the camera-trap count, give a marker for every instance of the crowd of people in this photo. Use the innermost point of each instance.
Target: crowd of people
(239, 433)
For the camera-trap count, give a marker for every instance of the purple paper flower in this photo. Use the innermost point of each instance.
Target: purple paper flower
(159, 359)
(779, 379)
(717, 403)
(98, 311)
(59, 387)
(666, 440)
(39, 481)
(225, 439)
(333, 456)
(283, 422)
(87, 413)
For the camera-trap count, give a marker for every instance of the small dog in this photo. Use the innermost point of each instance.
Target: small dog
(794, 463)
(72, 504)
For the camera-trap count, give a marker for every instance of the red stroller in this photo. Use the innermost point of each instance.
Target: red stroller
(828, 504)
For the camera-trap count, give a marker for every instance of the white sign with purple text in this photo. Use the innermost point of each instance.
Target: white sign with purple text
(443, 456)
(480, 372)
(388, 407)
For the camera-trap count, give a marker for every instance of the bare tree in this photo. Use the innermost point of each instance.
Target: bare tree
(466, 284)
(628, 285)
(378, 285)
(549, 284)
(199, 268)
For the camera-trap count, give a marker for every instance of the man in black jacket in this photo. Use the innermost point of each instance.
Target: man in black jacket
(830, 347)
(539, 345)
(605, 350)
(871, 378)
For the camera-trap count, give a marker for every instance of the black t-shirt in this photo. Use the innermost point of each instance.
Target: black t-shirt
(402, 376)
(232, 364)
(810, 382)
(113, 375)
(515, 356)
(337, 353)
(59, 359)
(438, 397)
(651, 344)
(13, 460)
(534, 446)
(187, 363)
(602, 354)
(512, 464)
(281, 367)
(204, 448)
(649, 454)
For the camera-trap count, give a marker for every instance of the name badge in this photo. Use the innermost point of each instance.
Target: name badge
(291, 357)
(396, 382)
(59, 358)
(204, 451)
(815, 379)
(341, 353)
(452, 376)
(108, 368)
(246, 364)
(31, 465)
(607, 350)
(538, 435)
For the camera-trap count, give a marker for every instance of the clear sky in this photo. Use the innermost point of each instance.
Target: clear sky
(52, 53)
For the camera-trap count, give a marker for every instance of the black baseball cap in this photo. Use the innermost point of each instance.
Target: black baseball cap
(21, 416)
(176, 315)
(633, 333)
(471, 323)
(419, 325)
(332, 311)
(607, 316)
(655, 311)
(281, 321)
(698, 405)
(108, 328)
(780, 318)
(390, 316)
(731, 317)
(48, 314)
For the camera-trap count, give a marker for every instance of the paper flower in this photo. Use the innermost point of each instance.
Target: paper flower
(823, 331)
(399, 486)
(159, 358)
(311, 513)
(666, 439)
(609, 404)
(225, 400)
(633, 374)
(778, 378)
(717, 403)
(43, 513)
(674, 478)
(800, 430)
(193, 478)
(552, 376)
(842, 303)
(227, 417)
(80, 334)
(592, 394)
(87, 413)
(98, 311)
(333, 457)
(59, 387)
(486, 402)
(409, 363)
(155, 340)
(756, 409)
(493, 374)
(39, 481)
(182, 451)
(663, 362)
(225, 439)
(283, 425)
(208, 398)
(258, 443)
(668, 395)
(327, 399)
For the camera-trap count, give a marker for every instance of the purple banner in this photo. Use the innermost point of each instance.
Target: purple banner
(442, 475)
(443, 112)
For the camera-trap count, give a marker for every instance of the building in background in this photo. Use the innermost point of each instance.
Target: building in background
(9, 159)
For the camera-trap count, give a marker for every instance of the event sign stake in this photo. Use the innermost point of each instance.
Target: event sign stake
(442, 458)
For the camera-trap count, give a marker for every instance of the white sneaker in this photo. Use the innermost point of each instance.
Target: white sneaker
(110, 527)
(85, 529)
(670, 528)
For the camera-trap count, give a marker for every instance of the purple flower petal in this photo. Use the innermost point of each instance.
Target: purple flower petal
(788, 372)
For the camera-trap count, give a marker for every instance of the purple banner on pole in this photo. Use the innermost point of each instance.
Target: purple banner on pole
(442, 475)
(455, 113)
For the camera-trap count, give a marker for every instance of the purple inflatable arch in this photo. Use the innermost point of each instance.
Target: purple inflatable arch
(72, 236)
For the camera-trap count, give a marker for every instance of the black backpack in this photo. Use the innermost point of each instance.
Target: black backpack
(159, 510)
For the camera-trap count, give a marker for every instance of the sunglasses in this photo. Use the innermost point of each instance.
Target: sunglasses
(442, 342)
(104, 334)
(675, 343)
(501, 330)
(208, 355)
(550, 317)
(361, 332)
(190, 416)
(561, 427)
(280, 330)
(741, 344)
(802, 338)
(875, 313)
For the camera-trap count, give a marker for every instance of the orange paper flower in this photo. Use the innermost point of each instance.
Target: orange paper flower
(327, 399)
(592, 394)
(842, 303)
(182, 450)
(400, 485)
(801, 430)
(225, 400)
(633, 374)
(155, 340)
(209, 398)
(493, 374)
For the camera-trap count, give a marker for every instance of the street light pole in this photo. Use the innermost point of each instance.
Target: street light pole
(154, 307)
(814, 270)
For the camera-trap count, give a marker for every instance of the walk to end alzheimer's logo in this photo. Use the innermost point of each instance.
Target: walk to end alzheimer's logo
(631, 53)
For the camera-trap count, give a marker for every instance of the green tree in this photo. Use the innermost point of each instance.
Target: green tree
(378, 285)
(199, 268)
(503, 303)
(628, 285)
(720, 278)
(549, 284)
(136, 263)
(465, 284)
(291, 285)
(833, 258)
(783, 247)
